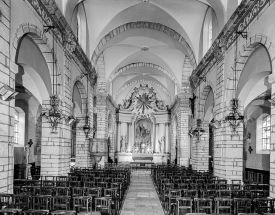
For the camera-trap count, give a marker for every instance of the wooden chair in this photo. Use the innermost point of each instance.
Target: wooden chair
(48, 183)
(22, 201)
(48, 178)
(78, 191)
(82, 203)
(209, 193)
(223, 205)
(74, 183)
(172, 200)
(235, 186)
(62, 178)
(263, 205)
(184, 205)
(242, 205)
(223, 193)
(89, 184)
(61, 203)
(113, 192)
(222, 186)
(191, 193)
(6, 200)
(203, 205)
(42, 202)
(61, 183)
(103, 204)
(62, 191)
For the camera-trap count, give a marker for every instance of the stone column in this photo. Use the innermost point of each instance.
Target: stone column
(154, 134)
(82, 157)
(157, 138)
(118, 136)
(132, 142)
(167, 143)
(129, 126)
(201, 148)
(161, 134)
(228, 150)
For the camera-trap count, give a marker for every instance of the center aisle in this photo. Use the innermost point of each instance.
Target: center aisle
(142, 198)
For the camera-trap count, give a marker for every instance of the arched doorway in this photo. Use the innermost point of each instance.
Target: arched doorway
(209, 118)
(254, 92)
(33, 84)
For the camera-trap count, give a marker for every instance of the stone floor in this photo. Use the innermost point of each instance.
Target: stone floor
(141, 198)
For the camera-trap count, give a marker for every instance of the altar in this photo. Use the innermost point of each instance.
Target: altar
(142, 156)
(156, 158)
(143, 128)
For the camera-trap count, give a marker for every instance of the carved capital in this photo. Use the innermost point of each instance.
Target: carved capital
(271, 79)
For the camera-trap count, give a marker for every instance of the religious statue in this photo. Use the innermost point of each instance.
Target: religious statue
(122, 144)
(27, 150)
(126, 143)
(162, 144)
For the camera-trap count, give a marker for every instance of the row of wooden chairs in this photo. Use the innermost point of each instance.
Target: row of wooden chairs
(188, 191)
(65, 203)
(222, 205)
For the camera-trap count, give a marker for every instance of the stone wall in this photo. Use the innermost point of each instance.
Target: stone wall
(6, 107)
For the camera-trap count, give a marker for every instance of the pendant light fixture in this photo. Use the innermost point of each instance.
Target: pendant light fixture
(235, 118)
(87, 127)
(198, 130)
(53, 114)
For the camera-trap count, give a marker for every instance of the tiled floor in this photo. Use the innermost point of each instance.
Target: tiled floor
(142, 198)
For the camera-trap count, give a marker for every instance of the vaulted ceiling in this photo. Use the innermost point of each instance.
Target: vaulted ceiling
(131, 41)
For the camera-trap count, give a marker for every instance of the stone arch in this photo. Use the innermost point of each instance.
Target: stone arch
(244, 54)
(203, 100)
(43, 44)
(146, 25)
(114, 74)
(82, 91)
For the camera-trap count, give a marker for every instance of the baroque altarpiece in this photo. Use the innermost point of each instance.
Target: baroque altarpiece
(143, 127)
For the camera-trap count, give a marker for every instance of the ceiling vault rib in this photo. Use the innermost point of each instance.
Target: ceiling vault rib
(143, 25)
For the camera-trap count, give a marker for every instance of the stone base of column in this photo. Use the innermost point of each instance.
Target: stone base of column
(184, 162)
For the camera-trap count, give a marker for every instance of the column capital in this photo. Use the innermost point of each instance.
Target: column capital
(157, 124)
(129, 123)
(167, 123)
(119, 122)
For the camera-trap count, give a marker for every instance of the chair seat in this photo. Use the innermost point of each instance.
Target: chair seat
(63, 212)
(36, 212)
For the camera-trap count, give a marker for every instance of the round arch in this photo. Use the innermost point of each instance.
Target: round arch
(44, 46)
(79, 95)
(143, 25)
(207, 101)
(251, 44)
(116, 73)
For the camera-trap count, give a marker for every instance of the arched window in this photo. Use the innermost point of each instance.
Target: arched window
(266, 133)
(19, 127)
(210, 33)
(16, 125)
